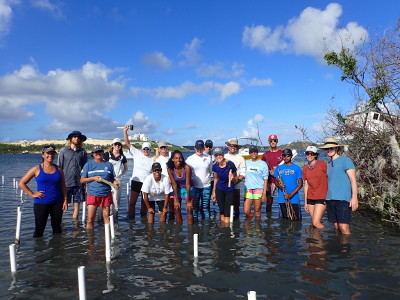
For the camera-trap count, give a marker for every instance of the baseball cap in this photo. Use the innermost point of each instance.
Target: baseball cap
(97, 148)
(273, 137)
(311, 149)
(162, 144)
(116, 140)
(146, 145)
(253, 149)
(156, 167)
(218, 151)
(287, 152)
(209, 143)
(48, 148)
(199, 144)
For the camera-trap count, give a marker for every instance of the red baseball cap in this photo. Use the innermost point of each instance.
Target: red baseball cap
(273, 137)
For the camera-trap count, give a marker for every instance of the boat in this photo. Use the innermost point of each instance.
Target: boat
(25, 152)
(244, 150)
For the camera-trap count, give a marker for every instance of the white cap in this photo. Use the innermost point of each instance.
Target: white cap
(116, 140)
(146, 145)
(312, 149)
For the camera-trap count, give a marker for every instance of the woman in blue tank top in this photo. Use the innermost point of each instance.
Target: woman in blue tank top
(51, 195)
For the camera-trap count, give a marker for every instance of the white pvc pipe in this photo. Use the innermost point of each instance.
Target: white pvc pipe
(13, 183)
(18, 229)
(13, 260)
(22, 193)
(82, 283)
(195, 245)
(16, 184)
(2, 179)
(231, 215)
(83, 212)
(107, 238)
(251, 295)
(127, 188)
(112, 227)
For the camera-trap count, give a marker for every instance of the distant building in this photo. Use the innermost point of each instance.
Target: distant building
(139, 137)
(370, 120)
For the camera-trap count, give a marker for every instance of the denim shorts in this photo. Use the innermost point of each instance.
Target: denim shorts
(76, 194)
(339, 211)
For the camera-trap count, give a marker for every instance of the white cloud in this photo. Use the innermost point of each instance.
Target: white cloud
(220, 70)
(54, 9)
(6, 15)
(260, 82)
(169, 131)
(142, 123)
(310, 33)
(158, 60)
(191, 57)
(73, 98)
(179, 92)
(252, 130)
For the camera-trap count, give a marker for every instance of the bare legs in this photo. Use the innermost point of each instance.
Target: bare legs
(92, 215)
(257, 208)
(316, 213)
(132, 204)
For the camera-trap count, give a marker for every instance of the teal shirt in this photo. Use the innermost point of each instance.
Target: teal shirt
(339, 185)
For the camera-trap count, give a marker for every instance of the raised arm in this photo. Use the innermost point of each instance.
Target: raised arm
(126, 139)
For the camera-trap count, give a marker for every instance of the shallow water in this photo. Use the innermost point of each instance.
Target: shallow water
(276, 258)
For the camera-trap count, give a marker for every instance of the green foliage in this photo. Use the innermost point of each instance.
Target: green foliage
(344, 61)
(377, 95)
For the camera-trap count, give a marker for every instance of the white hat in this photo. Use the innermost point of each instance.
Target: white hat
(116, 140)
(162, 144)
(146, 145)
(312, 149)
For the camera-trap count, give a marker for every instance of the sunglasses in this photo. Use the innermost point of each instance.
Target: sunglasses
(99, 151)
(286, 155)
(310, 153)
(49, 146)
(234, 146)
(146, 148)
(163, 147)
(157, 170)
(118, 144)
(273, 141)
(208, 146)
(76, 136)
(330, 148)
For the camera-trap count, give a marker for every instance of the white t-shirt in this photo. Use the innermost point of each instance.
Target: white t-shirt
(141, 165)
(240, 165)
(202, 169)
(163, 162)
(156, 190)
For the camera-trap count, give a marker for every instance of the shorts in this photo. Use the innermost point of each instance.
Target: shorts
(160, 205)
(253, 194)
(182, 193)
(136, 186)
(98, 201)
(76, 194)
(313, 202)
(339, 211)
(284, 214)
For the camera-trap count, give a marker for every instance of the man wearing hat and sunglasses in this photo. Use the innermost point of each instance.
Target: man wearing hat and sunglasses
(341, 198)
(71, 160)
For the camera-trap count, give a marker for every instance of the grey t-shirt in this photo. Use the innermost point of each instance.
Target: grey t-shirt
(72, 163)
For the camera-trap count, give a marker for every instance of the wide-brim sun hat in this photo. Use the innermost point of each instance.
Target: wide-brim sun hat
(78, 133)
(233, 142)
(329, 143)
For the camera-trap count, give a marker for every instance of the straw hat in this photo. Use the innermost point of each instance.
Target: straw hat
(330, 142)
(233, 142)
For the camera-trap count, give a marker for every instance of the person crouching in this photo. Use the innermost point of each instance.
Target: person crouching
(156, 188)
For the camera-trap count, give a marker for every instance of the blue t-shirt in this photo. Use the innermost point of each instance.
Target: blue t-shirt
(290, 176)
(223, 176)
(339, 185)
(256, 172)
(105, 170)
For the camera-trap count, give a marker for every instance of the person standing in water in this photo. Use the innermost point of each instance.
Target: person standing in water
(315, 186)
(342, 196)
(71, 160)
(51, 195)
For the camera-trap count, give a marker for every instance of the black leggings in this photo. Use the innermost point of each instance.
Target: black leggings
(42, 212)
(224, 200)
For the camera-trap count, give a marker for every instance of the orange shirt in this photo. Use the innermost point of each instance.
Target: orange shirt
(317, 180)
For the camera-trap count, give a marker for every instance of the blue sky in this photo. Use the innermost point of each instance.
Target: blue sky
(178, 70)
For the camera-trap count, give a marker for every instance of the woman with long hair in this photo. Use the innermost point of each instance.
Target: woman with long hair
(51, 195)
(180, 175)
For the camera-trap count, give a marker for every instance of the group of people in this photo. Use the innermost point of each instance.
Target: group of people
(207, 175)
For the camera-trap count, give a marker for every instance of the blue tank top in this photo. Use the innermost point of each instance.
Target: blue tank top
(51, 185)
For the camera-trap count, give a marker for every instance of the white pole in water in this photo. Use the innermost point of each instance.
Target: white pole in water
(127, 188)
(83, 212)
(18, 229)
(2, 179)
(13, 183)
(16, 184)
(13, 261)
(195, 245)
(22, 193)
(112, 227)
(231, 215)
(251, 295)
(82, 283)
(107, 237)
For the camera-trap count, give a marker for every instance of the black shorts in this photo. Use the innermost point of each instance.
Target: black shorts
(136, 186)
(339, 211)
(160, 205)
(313, 202)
